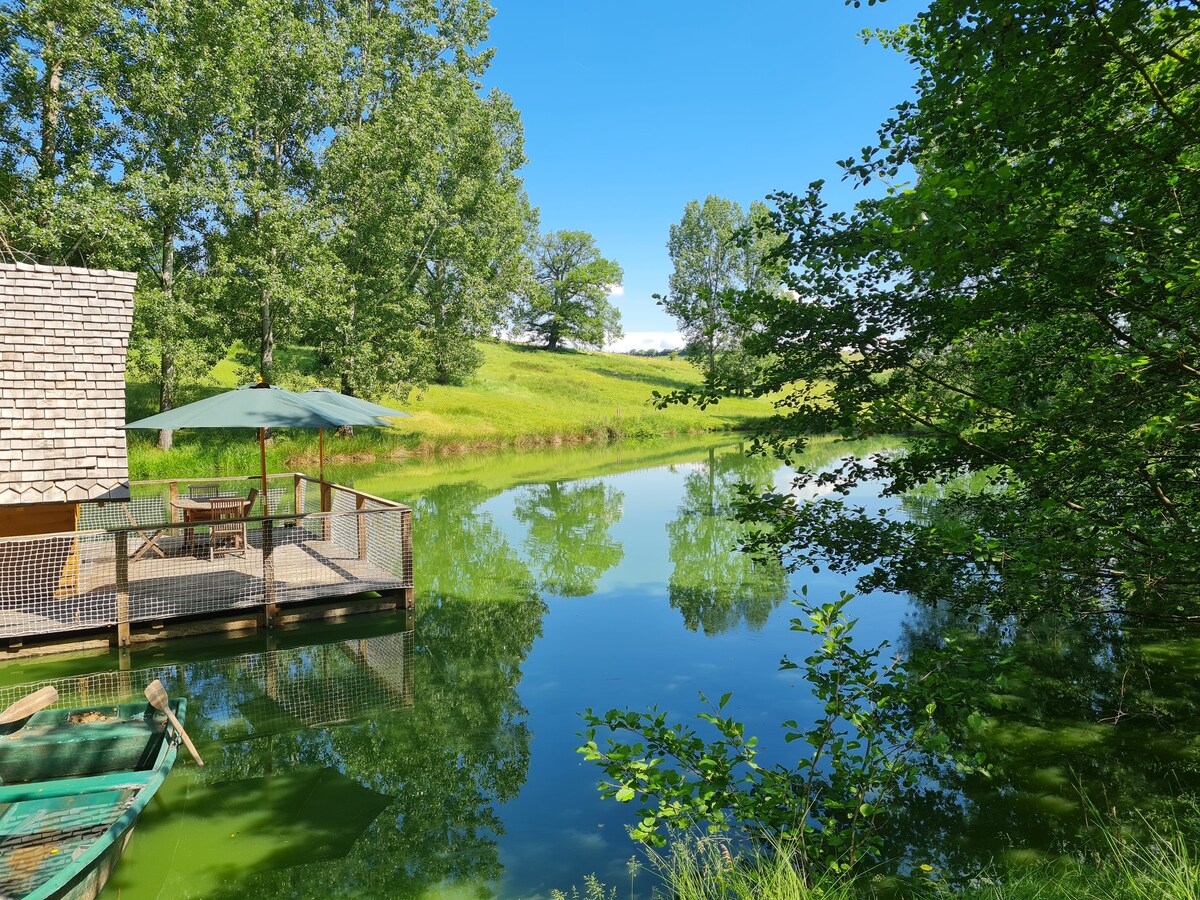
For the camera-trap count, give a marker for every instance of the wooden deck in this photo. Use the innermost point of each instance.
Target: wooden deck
(137, 568)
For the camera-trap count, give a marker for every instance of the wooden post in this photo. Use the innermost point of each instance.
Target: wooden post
(172, 496)
(326, 506)
(359, 503)
(406, 555)
(297, 494)
(122, 550)
(270, 610)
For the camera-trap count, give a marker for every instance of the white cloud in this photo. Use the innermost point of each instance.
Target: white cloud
(616, 290)
(647, 340)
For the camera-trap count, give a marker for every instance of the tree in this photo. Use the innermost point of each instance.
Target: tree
(177, 90)
(474, 258)
(1027, 309)
(272, 254)
(717, 249)
(568, 301)
(59, 200)
(427, 212)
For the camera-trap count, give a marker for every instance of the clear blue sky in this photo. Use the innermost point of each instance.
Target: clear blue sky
(633, 109)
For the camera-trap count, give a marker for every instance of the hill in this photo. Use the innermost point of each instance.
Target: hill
(520, 398)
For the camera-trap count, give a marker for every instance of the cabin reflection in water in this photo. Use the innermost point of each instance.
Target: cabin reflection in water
(252, 694)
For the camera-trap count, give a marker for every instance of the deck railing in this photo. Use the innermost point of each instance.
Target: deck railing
(147, 561)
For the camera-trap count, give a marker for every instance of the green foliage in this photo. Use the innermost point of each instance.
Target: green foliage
(329, 173)
(1025, 309)
(568, 299)
(829, 805)
(716, 249)
(57, 140)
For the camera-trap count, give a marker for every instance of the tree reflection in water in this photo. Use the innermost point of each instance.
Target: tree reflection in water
(569, 541)
(711, 585)
(1084, 727)
(441, 763)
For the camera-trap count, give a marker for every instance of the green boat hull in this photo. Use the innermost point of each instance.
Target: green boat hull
(82, 779)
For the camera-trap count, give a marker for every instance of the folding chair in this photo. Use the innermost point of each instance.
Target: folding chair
(150, 541)
(228, 526)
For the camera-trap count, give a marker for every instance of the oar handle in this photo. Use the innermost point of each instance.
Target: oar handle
(183, 735)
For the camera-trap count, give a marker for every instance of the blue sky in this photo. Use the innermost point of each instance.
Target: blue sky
(633, 109)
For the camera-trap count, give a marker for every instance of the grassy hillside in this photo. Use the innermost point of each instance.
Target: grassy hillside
(519, 398)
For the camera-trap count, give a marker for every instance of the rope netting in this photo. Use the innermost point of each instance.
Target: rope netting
(163, 556)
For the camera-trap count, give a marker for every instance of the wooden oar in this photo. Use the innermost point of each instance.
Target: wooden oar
(157, 695)
(28, 705)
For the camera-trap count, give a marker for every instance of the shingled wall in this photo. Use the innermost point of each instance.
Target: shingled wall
(63, 338)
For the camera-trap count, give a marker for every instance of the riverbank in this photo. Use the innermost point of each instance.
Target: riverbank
(521, 398)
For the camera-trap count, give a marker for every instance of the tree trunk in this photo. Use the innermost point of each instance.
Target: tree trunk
(51, 114)
(48, 152)
(266, 361)
(166, 385)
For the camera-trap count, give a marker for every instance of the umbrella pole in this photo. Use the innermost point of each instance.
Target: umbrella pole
(268, 539)
(262, 456)
(321, 452)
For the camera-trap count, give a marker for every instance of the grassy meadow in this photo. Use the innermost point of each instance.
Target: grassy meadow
(520, 398)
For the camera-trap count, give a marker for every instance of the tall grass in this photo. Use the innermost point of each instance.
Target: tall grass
(1156, 864)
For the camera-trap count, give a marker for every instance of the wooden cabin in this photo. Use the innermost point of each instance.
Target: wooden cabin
(64, 333)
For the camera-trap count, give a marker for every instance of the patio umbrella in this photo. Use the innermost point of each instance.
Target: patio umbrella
(260, 406)
(328, 399)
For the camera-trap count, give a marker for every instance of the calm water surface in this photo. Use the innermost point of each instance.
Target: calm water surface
(434, 755)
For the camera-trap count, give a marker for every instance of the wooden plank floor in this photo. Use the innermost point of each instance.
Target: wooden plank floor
(187, 582)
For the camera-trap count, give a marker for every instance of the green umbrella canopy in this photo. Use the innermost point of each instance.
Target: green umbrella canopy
(258, 406)
(328, 399)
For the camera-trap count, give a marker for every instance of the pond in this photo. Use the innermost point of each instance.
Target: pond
(433, 754)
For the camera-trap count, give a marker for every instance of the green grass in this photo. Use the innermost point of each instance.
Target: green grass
(520, 398)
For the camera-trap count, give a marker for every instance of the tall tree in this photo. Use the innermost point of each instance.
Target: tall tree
(271, 253)
(479, 223)
(716, 249)
(178, 91)
(1027, 309)
(568, 299)
(60, 201)
(418, 163)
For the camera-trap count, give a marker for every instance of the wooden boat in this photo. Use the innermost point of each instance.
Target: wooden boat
(72, 784)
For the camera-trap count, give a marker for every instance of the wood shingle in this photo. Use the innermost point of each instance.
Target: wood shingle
(64, 333)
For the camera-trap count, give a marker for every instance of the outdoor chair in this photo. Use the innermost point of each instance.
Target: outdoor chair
(203, 491)
(227, 530)
(150, 541)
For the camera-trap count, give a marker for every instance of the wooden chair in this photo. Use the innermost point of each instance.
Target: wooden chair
(250, 500)
(203, 491)
(150, 541)
(227, 526)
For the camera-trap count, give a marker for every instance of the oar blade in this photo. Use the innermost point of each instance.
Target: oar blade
(157, 695)
(29, 704)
